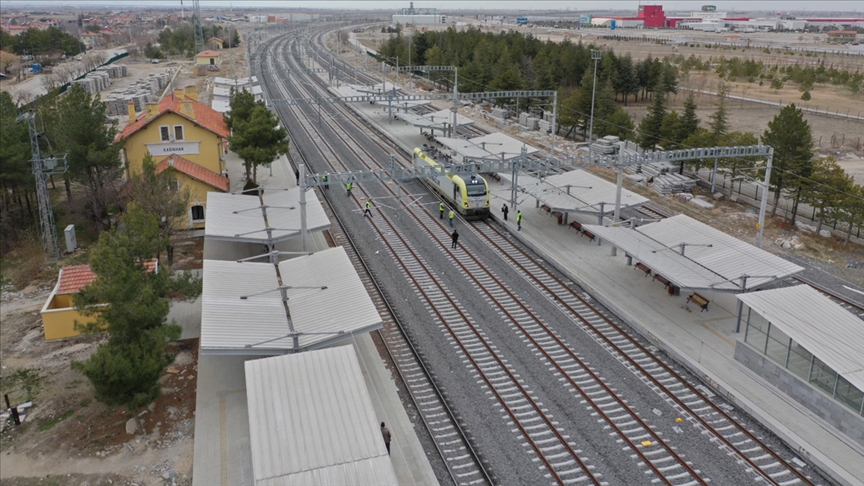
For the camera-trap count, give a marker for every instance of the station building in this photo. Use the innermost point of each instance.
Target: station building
(184, 136)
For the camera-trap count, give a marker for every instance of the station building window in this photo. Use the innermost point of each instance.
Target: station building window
(197, 214)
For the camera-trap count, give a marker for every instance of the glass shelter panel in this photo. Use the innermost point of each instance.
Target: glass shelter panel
(822, 376)
(849, 395)
(799, 361)
(778, 345)
(757, 331)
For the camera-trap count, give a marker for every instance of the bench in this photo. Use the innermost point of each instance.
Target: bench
(587, 233)
(644, 268)
(698, 300)
(576, 225)
(546, 208)
(665, 281)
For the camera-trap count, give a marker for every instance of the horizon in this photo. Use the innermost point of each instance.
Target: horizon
(504, 6)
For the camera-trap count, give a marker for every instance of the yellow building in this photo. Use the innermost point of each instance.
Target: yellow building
(216, 43)
(59, 314)
(208, 57)
(191, 134)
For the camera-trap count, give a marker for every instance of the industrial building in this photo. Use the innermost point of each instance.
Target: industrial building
(418, 16)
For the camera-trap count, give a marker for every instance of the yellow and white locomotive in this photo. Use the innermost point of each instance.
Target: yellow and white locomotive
(469, 194)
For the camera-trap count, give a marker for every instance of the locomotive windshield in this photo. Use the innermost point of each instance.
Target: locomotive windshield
(475, 187)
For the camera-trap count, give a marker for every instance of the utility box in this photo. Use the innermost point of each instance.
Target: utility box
(71, 240)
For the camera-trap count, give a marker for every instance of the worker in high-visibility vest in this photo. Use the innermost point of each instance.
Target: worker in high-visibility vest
(519, 220)
(324, 180)
(452, 215)
(348, 188)
(368, 210)
(441, 210)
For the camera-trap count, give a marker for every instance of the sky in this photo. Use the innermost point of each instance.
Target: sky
(491, 5)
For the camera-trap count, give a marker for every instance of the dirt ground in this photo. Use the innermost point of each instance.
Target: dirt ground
(66, 437)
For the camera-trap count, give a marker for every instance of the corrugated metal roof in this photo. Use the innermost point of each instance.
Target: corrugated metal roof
(233, 217)
(728, 256)
(228, 322)
(488, 146)
(827, 330)
(681, 271)
(434, 120)
(259, 325)
(718, 267)
(311, 421)
(345, 305)
(586, 195)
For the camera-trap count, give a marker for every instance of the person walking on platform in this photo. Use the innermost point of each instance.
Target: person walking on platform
(441, 210)
(385, 432)
(324, 180)
(455, 237)
(452, 215)
(348, 188)
(368, 210)
(297, 176)
(505, 210)
(519, 220)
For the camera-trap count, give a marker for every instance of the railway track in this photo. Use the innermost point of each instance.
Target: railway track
(550, 441)
(461, 459)
(690, 401)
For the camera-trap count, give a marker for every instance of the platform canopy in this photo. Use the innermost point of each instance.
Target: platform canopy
(492, 146)
(711, 259)
(830, 332)
(311, 421)
(242, 310)
(240, 217)
(374, 89)
(439, 120)
(235, 81)
(578, 191)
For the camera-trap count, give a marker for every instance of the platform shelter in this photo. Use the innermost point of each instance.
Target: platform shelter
(312, 422)
(809, 347)
(576, 191)
(439, 120)
(307, 302)
(692, 255)
(245, 218)
(495, 145)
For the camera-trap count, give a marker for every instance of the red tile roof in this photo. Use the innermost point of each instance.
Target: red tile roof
(208, 53)
(205, 116)
(76, 277)
(194, 171)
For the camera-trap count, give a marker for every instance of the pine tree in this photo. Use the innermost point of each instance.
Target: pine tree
(670, 129)
(649, 129)
(720, 118)
(789, 134)
(78, 128)
(258, 139)
(130, 304)
(689, 120)
(827, 187)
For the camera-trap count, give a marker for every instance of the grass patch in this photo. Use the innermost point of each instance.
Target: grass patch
(51, 422)
(85, 403)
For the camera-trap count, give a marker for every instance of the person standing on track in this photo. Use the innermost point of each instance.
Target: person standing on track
(324, 180)
(519, 220)
(348, 187)
(385, 433)
(441, 210)
(368, 210)
(452, 215)
(505, 210)
(455, 237)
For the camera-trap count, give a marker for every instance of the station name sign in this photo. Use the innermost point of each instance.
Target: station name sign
(709, 8)
(168, 148)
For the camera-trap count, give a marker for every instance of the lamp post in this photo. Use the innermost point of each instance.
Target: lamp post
(596, 55)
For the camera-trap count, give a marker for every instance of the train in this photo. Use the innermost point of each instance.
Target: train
(469, 194)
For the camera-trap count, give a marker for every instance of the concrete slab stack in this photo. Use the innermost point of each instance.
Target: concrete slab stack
(544, 126)
(143, 91)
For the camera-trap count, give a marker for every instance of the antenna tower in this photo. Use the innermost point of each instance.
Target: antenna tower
(43, 169)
